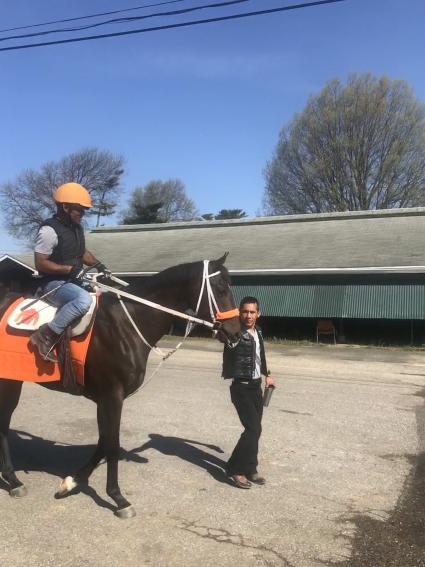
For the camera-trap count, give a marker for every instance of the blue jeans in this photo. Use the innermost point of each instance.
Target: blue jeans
(71, 300)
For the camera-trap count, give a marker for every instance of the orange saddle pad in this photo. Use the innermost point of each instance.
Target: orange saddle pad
(19, 360)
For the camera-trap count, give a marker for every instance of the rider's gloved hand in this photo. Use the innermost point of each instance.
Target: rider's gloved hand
(76, 274)
(106, 272)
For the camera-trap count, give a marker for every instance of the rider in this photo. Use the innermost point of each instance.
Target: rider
(60, 253)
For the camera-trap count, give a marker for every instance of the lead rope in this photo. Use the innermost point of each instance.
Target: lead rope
(189, 325)
(155, 349)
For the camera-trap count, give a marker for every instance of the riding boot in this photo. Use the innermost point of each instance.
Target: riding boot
(44, 339)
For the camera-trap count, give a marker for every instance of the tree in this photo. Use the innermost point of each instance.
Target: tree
(224, 214)
(27, 200)
(230, 214)
(353, 147)
(165, 201)
(143, 214)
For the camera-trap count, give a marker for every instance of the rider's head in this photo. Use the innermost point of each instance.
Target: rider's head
(72, 199)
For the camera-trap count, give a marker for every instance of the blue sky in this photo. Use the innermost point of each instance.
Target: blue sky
(205, 103)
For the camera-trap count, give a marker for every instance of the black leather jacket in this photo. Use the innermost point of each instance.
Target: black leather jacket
(239, 361)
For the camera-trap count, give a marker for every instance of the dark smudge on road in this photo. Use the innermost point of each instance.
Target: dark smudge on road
(399, 541)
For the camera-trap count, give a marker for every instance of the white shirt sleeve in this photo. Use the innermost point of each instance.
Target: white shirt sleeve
(46, 240)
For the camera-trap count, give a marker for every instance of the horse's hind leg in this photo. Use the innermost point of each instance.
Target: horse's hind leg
(10, 392)
(83, 474)
(109, 419)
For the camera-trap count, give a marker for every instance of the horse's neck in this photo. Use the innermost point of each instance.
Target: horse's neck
(159, 321)
(171, 296)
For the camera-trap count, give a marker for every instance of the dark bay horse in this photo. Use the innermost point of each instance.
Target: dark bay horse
(117, 357)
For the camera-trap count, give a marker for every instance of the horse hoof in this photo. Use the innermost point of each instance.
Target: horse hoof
(66, 486)
(18, 492)
(125, 513)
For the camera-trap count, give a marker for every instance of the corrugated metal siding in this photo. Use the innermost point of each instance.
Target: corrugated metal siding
(333, 301)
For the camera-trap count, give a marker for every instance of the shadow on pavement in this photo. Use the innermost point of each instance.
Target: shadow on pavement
(33, 453)
(184, 449)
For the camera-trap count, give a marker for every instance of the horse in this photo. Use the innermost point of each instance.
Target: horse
(117, 357)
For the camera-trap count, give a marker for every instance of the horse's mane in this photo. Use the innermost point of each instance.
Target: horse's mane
(177, 275)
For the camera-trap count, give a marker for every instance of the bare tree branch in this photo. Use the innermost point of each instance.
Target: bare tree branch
(27, 200)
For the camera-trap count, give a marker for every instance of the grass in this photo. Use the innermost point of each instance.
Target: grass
(371, 344)
(312, 343)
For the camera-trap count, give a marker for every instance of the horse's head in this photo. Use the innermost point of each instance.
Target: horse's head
(216, 300)
(200, 289)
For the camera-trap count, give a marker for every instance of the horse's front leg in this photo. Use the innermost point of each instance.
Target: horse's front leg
(10, 392)
(109, 420)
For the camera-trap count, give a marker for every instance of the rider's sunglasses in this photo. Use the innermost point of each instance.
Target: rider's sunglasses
(76, 207)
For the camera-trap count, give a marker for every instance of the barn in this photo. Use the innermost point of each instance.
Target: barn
(358, 275)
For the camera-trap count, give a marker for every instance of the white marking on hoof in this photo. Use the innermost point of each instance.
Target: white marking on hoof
(18, 492)
(66, 485)
(125, 513)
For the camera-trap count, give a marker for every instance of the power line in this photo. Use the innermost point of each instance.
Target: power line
(92, 16)
(172, 26)
(128, 19)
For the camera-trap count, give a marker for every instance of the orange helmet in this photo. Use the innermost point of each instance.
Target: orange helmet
(73, 193)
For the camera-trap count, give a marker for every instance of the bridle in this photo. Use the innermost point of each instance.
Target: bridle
(218, 315)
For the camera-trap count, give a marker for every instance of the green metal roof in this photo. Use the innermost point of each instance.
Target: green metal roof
(375, 241)
(364, 239)
(338, 301)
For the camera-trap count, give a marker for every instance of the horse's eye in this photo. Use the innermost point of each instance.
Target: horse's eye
(222, 288)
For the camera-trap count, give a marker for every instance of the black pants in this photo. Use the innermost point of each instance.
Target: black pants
(248, 401)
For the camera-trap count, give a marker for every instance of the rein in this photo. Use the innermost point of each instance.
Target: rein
(119, 293)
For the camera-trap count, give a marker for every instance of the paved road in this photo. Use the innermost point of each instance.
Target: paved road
(343, 450)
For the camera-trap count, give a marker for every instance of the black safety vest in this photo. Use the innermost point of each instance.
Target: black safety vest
(71, 243)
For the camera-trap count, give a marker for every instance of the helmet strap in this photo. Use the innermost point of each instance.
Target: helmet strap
(62, 215)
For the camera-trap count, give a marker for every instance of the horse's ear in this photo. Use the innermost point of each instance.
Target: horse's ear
(221, 260)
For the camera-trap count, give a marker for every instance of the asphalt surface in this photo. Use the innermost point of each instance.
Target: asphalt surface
(343, 451)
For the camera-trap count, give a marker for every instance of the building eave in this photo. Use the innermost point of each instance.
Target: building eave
(282, 219)
(306, 271)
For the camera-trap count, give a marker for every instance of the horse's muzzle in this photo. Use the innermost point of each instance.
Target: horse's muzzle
(224, 337)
